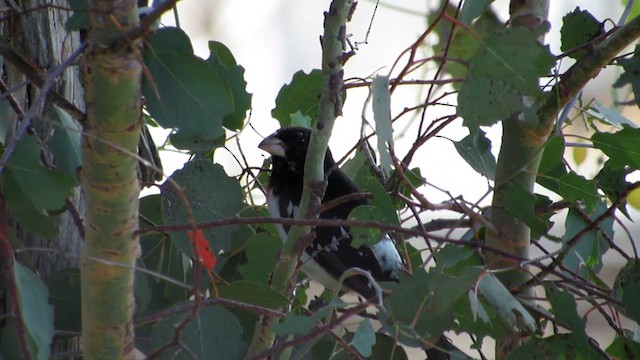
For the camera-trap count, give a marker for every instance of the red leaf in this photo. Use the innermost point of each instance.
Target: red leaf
(203, 251)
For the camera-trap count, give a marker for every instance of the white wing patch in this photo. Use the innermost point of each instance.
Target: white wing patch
(388, 257)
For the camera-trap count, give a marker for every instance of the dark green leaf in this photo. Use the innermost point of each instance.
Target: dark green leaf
(386, 348)
(46, 188)
(552, 155)
(590, 246)
(223, 54)
(521, 204)
(185, 93)
(466, 43)
(302, 94)
(454, 259)
(475, 149)
(64, 295)
(35, 220)
(161, 255)
(565, 310)
(578, 28)
(556, 347)
(574, 187)
(80, 17)
(253, 293)
(364, 338)
(627, 289)
(515, 57)
(483, 101)
(65, 142)
(623, 347)
(472, 9)
(212, 333)
(298, 325)
(613, 182)
(631, 73)
(621, 147)
(36, 313)
(262, 252)
(222, 61)
(211, 195)
(366, 235)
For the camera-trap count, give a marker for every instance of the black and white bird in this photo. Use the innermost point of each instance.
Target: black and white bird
(331, 253)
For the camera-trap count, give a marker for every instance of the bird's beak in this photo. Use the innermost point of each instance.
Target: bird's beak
(273, 146)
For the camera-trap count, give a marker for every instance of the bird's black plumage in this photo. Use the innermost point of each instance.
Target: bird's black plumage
(331, 249)
(331, 253)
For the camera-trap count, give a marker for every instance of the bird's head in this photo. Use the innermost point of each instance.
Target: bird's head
(288, 148)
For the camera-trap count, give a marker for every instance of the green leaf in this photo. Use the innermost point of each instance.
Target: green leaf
(386, 348)
(621, 147)
(613, 183)
(161, 255)
(299, 120)
(591, 246)
(466, 43)
(302, 94)
(473, 9)
(381, 210)
(521, 204)
(422, 304)
(64, 295)
(222, 61)
(211, 195)
(623, 348)
(475, 149)
(574, 187)
(609, 116)
(381, 105)
(262, 252)
(364, 338)
(36, 313)
(552, 155)
(80, 17)
(352, 167)
(66, 142)
(484, 101)
(507, 306)
(35, 220)
(631, 73)
(211, 333)
(298, 325)
(366, 235)
(506, 67)
(556, 347)
(565, 310)
(253, 293)
(578, 28)
(185, 92)
(627, 288)
(515, 57)
(45, 188)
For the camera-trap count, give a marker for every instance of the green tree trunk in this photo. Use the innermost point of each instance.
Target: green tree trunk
(112, 79)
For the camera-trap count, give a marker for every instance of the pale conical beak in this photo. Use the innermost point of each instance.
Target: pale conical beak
(273, 146)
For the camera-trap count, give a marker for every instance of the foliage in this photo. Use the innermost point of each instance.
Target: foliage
(184, 310)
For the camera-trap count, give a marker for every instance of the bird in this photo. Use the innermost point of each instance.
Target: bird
(331, 253)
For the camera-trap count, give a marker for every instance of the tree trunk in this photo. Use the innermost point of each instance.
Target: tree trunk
(39, 36)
